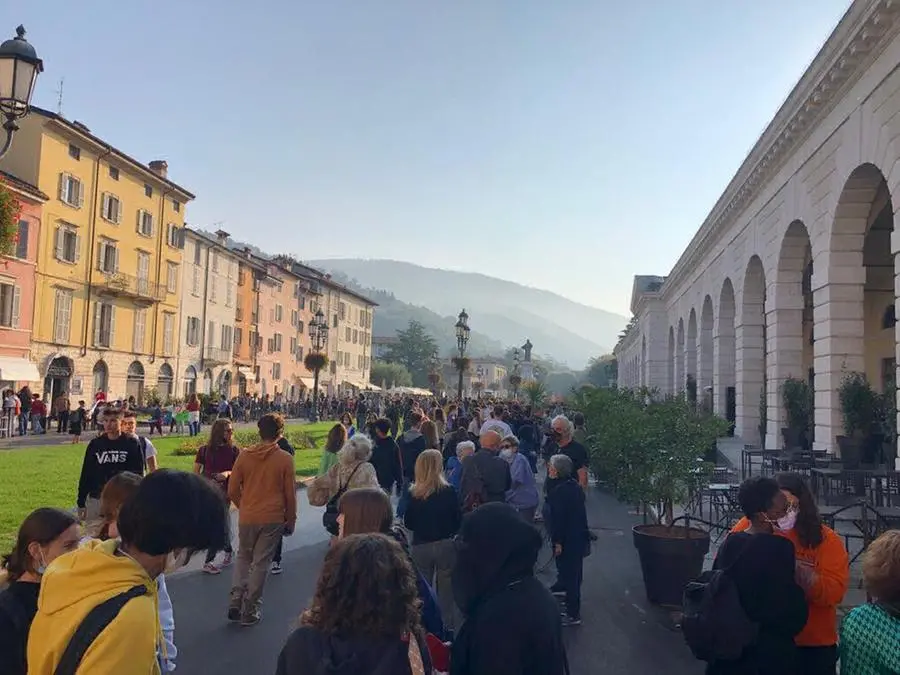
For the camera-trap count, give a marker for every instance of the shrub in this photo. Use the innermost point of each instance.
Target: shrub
(648, 450)
(244, 438)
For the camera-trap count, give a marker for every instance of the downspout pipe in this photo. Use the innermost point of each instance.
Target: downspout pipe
(89, 273)
(159, 260)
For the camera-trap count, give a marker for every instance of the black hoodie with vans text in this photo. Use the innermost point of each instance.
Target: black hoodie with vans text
(105, 458)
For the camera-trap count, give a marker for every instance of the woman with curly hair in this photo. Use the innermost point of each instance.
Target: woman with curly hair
(364, 616)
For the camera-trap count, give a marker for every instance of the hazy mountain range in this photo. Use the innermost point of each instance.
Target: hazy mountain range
(502, 313)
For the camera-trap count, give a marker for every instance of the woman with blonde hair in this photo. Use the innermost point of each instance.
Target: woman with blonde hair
(433, 517)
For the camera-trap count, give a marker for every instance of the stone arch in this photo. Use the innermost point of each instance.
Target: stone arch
(643, 381)
(679, 358)
(670, 366)
(854, 288)
(100, 376)
(705, 354)
(690, 352)
(190, 381)
(134, 382)
(165, 382)
(724, 375)
(789, 322)
(750, 355)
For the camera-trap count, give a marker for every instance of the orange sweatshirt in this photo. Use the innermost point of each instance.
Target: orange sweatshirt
(832, 567)
(262, 486)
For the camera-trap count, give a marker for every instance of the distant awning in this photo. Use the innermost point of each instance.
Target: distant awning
(246, 372)
(307, 382)
(17, 369)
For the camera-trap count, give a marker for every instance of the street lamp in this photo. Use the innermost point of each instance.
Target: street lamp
(318, 335)
(19, 68)
(515, 379)
(462, 339)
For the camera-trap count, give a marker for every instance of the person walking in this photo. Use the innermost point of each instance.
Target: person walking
(485, 477)
(433, 517)
(363, 618)
(109, 454)
(523, 493)
(215, 461)
(386, 456)
(262, 487)
(193, 409)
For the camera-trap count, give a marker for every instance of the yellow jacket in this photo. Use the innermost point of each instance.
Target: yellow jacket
(73, 585)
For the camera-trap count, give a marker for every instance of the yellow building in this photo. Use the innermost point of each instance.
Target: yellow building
(106, 298)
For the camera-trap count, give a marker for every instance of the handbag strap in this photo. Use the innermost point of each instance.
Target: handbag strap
(416, 666)
(343, 488)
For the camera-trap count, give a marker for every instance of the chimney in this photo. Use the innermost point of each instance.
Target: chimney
(222, 236)
(160, 167)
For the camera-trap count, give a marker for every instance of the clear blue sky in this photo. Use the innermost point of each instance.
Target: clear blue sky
(564, 144)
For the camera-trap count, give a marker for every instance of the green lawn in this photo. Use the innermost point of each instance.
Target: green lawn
(48, 475)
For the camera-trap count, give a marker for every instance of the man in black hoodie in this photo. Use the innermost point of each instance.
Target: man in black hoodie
(386, 456)
(512, 624)
(412, 444)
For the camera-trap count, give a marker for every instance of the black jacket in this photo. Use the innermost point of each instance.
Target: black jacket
(386, 460)
(488, 471)
(567, 517)
(512, 624)
(412, 444)
(105, 458)
(310, 652)
(18, 605)
(762, 568)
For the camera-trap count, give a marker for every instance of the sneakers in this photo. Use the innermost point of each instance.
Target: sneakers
(570, 620)
(251, 618)
(276, 567)
(210, 568)
(226, 561)
(234, 614)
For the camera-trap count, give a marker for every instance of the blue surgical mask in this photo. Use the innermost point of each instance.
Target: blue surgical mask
(42, 567)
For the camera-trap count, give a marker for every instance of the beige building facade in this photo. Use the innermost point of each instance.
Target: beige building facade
(794, 273)
(350, 316)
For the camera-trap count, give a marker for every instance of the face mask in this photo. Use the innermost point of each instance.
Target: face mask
(506, 454)
(787, 521)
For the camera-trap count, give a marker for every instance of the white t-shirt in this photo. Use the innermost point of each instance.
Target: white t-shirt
(499, 426)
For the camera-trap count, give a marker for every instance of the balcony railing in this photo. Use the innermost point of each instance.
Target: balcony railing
(217, 355)
(130, 286)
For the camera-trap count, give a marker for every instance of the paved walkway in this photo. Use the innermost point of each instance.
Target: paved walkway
(622, 633)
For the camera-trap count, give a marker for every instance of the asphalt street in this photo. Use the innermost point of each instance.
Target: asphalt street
(622, 632)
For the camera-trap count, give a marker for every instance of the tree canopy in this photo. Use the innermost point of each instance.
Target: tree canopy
(415, 350)
(390, 374)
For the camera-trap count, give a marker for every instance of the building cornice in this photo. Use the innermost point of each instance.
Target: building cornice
(860, 37)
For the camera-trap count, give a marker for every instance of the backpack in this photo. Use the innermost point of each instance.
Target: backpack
(715, 625)
(90, 628)
(478, 494)
(329, 518)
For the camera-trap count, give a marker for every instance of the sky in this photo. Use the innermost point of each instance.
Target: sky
(561, 144)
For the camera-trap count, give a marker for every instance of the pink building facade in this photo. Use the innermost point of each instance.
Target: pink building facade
(17, 289)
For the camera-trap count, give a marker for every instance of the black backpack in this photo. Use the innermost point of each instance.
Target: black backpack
(715, 625)
(90, 628)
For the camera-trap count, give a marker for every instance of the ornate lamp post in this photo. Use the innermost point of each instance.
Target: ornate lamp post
(462, 339)
(515, 379)
(315, 361)
(19, 68)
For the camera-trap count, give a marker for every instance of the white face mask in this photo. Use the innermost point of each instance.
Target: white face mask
(42, 567)
(507, 454)
(787, 521)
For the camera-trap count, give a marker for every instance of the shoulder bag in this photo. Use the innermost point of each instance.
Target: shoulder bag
(329, 518)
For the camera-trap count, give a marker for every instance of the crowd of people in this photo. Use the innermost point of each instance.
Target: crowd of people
(437, 512)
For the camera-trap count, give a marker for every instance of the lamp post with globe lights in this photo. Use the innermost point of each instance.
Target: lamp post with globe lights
(19, 68)
(316, 360)
(462, 339)
(515, 380)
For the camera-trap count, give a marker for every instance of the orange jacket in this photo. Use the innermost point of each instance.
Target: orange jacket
(832, 568)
